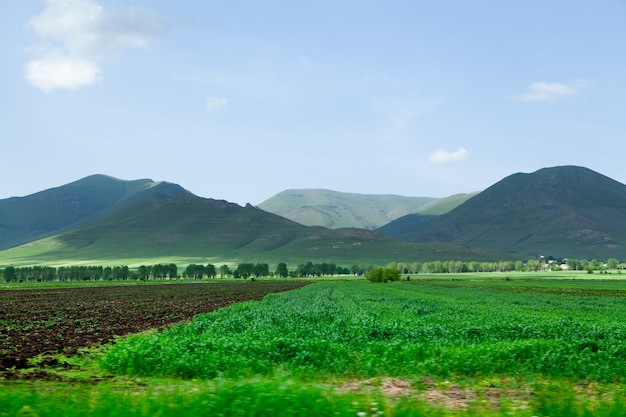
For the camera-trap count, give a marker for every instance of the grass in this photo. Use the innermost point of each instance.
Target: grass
(175, 398)
(282, 396)
(364, 330)
(449, 348)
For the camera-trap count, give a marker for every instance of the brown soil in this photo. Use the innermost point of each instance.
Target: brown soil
(52, 321)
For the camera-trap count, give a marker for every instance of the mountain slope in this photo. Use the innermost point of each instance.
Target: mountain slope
(195, 229)
(443, 205)
(23, 219)
(333, 209)
(562, 211)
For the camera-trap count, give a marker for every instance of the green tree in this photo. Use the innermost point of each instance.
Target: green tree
(281, 270)
(244, 270)
(172, 271)
(210, 271)
(195, 271)
(107, 273)
(612, 263)
(143, 272)
(357, 270)
(261, 270)
(224, 271)
(10, 274)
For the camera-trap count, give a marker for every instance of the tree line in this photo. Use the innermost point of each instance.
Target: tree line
(165, 272)
(308, 269)
(530, 265)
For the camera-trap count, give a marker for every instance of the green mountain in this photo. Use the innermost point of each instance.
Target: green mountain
(564, 211)
(333, 209)
(443, 205)
(163, 222)
(24, 219)
(405, 227)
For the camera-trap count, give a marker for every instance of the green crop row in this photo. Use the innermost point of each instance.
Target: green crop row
(362, 330)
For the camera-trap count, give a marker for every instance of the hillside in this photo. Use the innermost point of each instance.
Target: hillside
(443, 205)
(333, 209)
(23, 219)
(564, 211)
(194, 229)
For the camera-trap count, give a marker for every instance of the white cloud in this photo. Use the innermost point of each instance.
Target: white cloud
(441, 156)
(214, 103)
(76, 35)
(50, 72)
(543, 91)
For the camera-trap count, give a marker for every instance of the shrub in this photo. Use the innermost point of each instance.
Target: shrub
(378, 274)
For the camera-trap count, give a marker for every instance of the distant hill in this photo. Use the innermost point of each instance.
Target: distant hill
(164, 222)
(563, 211)
(443, 205)
(333, 209)
(406, 226)
(23, 219)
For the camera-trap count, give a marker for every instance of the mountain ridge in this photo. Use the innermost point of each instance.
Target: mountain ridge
(37, 215)
(335, 209)
(561, 211)
(564, 211)
(191, 227)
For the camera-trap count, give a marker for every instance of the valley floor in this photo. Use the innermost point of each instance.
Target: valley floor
(435, 346)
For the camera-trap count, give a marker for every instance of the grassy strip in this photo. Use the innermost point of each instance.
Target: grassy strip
(224, 398)
(281, 396)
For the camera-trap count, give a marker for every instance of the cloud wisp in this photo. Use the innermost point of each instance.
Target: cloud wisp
(76, 35)
(215, 103)
(544, 91)
(442, 156)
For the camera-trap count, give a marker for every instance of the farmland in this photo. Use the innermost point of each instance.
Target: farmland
(429, 347)
(62, 320)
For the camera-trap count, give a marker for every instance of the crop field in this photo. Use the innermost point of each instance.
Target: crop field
(353, 348)
(49, 321)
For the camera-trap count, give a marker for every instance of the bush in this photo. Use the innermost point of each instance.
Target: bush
(378, 274)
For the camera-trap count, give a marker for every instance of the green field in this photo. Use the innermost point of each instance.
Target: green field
(434, 346)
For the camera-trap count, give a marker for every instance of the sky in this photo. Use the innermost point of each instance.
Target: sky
(240, 100)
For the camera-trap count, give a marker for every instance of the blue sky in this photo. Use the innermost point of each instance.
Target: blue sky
(239, 100)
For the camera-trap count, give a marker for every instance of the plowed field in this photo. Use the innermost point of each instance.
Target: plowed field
(50, 321)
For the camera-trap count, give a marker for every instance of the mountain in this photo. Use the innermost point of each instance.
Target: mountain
(333, 209)
(23, 219)
(565, 211)
(156, 222)
(443, 205)
(407, 226)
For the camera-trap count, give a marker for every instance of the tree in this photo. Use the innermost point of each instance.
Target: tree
(210, 271)
(357, 270)
(172, 270)
(107, 273)
(612, 263)
(281, 270)
(261, 270)
(195, 271)
(9, 274)
(244, 270)
(143, 272)
(224, 271)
